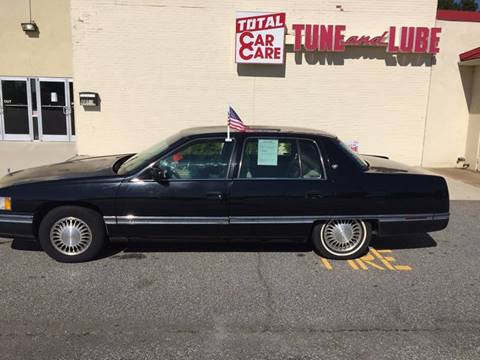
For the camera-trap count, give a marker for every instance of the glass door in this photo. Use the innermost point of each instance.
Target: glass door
(55, 109)
(71, 110)
(36, 109)
(15, 109)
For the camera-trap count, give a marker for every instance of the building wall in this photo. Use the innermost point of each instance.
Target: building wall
(450, 93)
(17, 155)
(49, 54)
(164, 65)
(473, 130)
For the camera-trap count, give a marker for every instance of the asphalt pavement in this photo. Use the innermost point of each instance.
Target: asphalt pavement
(412, 297)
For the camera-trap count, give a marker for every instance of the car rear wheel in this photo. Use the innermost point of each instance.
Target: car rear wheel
(342, 239)
(72, 234)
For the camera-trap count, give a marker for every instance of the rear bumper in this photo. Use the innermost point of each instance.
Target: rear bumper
(412, 224)
(16, 225)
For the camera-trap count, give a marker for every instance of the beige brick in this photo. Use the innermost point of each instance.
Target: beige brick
(161, 66)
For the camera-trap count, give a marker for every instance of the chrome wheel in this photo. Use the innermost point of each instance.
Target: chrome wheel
(343, 237)
(71, 236)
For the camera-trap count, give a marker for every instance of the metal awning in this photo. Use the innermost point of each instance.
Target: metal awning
(470, 58)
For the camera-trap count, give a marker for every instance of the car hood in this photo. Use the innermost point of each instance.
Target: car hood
(72, 169)
(380, 164)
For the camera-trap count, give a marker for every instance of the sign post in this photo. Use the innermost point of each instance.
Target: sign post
(228, 138)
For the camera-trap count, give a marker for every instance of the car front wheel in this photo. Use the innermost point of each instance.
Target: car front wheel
(342, 239)
(72, 234)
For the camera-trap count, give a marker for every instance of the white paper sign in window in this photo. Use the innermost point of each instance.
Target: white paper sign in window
(267, 152)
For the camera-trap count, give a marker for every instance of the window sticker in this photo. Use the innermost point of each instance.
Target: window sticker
(267, 152)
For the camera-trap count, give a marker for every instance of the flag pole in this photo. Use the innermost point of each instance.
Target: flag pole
(228, 139)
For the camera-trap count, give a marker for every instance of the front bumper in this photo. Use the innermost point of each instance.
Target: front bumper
(16, 225)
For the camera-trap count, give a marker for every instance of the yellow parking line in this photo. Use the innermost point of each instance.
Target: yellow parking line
(382, 259)
(326, 263)
(403, 267)
(373, 260)
(368, 259)
(352, 264)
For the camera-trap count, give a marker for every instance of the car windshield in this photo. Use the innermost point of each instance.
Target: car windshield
(142, 158)
(363, 164)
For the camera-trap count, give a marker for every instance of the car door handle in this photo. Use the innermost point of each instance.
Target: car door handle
(313, 195)
(214, 195)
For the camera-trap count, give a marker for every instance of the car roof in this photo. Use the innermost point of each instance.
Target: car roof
(206, 130)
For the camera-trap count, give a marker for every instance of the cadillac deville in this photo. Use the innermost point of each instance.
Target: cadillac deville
(266, 183)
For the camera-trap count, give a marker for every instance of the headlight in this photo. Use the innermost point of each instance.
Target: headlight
(5, 203)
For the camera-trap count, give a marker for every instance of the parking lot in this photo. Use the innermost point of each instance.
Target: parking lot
(412, 297)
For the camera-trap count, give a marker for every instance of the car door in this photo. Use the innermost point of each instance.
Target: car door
(281, 187)
(191, 201)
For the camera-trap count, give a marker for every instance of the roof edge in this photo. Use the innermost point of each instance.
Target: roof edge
(219, 129)
(457, 15)
(470, 55)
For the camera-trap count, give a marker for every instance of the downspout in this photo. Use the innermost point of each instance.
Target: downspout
(428, 103)
(426, 110)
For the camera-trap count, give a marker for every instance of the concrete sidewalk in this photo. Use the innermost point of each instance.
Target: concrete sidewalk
(466, 176)
(462, 184)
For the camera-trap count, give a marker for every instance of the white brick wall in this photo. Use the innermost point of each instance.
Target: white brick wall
(161, 66)
(450, 95)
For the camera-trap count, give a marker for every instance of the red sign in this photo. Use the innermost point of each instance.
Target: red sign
(332, 38)
(260, 38)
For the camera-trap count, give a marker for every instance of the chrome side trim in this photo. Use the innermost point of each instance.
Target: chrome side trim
(110, 220)
(16, 219)
(157, 220)
(441, 216)
(205, 220)
(416, 217)
(275, 219)
(310, 219)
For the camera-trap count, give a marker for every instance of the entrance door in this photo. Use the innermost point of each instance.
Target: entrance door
(71, 111)
(25, 102)
(55, 109)
(15, 114)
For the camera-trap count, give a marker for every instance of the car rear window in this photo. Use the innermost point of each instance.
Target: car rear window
(280, 158)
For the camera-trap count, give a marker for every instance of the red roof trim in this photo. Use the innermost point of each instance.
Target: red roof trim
(470, 55)
(456, 15)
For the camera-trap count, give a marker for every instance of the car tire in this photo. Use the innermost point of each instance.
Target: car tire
(72, 234)
(342, 239)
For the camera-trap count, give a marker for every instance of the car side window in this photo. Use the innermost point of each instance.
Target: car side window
(270, 158)
(200, 159)
(310, 160)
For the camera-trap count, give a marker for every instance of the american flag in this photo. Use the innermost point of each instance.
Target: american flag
(234, 121)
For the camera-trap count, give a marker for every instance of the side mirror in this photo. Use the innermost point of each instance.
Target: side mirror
(159, 174)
